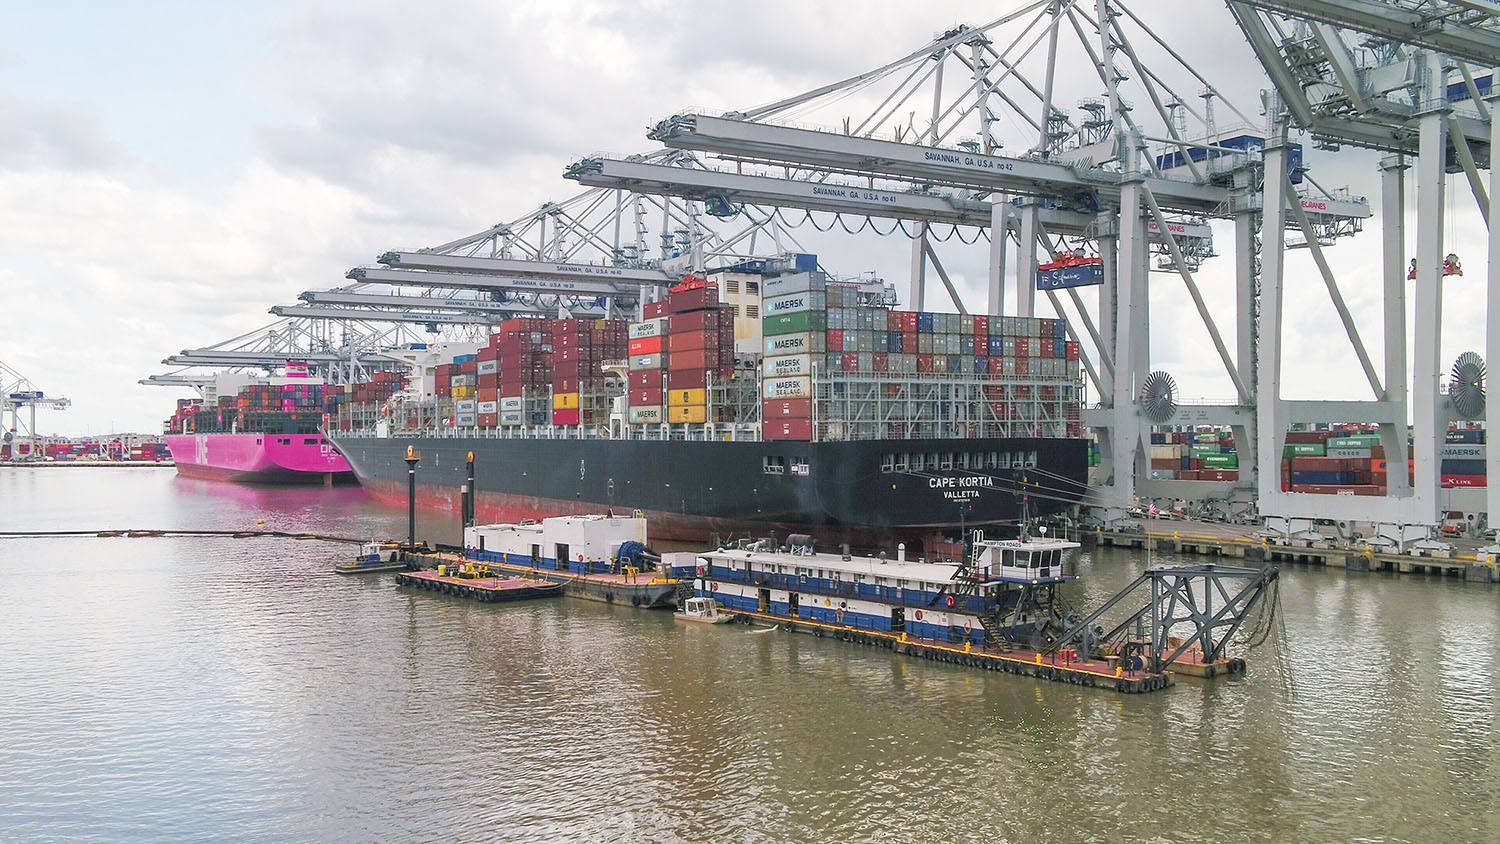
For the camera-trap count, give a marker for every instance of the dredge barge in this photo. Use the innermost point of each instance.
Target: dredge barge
(999, 608)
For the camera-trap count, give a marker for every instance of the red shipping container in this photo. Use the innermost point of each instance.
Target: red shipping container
(486, 354)
(681, 301)
(488, 420)
(564, 385)
(692, 359)
(645, 346)
(687, 379)
(881, 363)
(851, 361)
(1023, 366)
(997, 366)
(1022, 347)
(643, 379)
(892, 320)
(924, 363)
(787, 429)
(487, 394)
(646, 397)
(694, 321)
(1071, 350)
(690, 340)
(652, 310)
(468, 366)
(1451, 481)
(834, 340)
(981, 325)
(491, 380)
(786, 409)
(909, 342)
(565, 417)
(909, 322)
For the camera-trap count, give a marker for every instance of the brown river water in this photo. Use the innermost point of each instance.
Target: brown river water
(189, 689)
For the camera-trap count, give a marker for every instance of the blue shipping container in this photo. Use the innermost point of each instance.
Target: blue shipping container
(1059, 328)
(1463, 467)
(924, 322)
(1059, 348)
(997, 346)
(1323, 478)
(1469, 436)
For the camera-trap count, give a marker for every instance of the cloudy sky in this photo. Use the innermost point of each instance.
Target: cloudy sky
(168, 171)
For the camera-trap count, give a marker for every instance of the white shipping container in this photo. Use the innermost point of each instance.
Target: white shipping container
(650, 328)
(811, 300)
(787, 366)
(787, 388)
(464, 406)
(638, 362)
(511, 417)
(508, 403)
(465, 420)
(1166, 452)
(489, 367)
(489, 407)
(785, 284)
(1463, 451)
(646, 415)
(807, 342)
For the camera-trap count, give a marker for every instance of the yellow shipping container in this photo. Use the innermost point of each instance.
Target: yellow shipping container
(463, 392)
(687, 413)
(564, 401)
(680, 398)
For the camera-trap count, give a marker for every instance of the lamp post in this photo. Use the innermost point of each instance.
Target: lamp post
(413, 457)
(472, 498)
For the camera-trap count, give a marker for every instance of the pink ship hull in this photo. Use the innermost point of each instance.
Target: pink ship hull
(259, 458)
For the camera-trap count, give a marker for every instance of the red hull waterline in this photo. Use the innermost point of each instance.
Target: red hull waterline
(509, 508)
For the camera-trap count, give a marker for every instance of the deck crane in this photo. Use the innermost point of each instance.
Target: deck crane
(17, 392)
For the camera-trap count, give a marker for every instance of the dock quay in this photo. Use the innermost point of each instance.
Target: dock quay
(1072, 669)
(637, 590)
(479, 588)
(1193, 539)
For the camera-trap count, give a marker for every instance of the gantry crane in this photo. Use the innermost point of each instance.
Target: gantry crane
(17, 392)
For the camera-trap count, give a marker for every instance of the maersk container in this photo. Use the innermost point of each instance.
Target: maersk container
(647, 415)
(465, 406)
(1463, 467)
(787, 366)
(646, 362)
(1462, 451)
(787, 388)
(795, 344)
(510, 403)
(650, 328)
(1465, 435)
(465, 420)
(812, 300)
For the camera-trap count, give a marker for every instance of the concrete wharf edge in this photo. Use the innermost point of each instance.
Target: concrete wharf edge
(1351, 559)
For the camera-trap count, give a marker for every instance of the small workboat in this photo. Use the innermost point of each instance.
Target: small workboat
(704, 610)
(374, 557)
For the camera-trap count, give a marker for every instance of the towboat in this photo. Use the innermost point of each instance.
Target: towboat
(704, 611)
(373, 557)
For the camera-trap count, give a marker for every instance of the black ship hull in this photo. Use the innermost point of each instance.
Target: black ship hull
(858, 492)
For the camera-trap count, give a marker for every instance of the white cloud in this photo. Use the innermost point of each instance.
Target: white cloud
(386, 125)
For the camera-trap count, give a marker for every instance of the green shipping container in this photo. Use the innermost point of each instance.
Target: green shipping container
(1367, 441)
(1222, 461)
(1303, 450)
(1206, 437)
(1205, 450)
(795, 323)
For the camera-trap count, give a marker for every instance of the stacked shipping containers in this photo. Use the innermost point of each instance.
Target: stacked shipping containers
(579, 347)
(812, 324)
(683, 348)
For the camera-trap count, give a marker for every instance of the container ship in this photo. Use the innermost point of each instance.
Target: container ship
(268, 431)
(761, 398)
